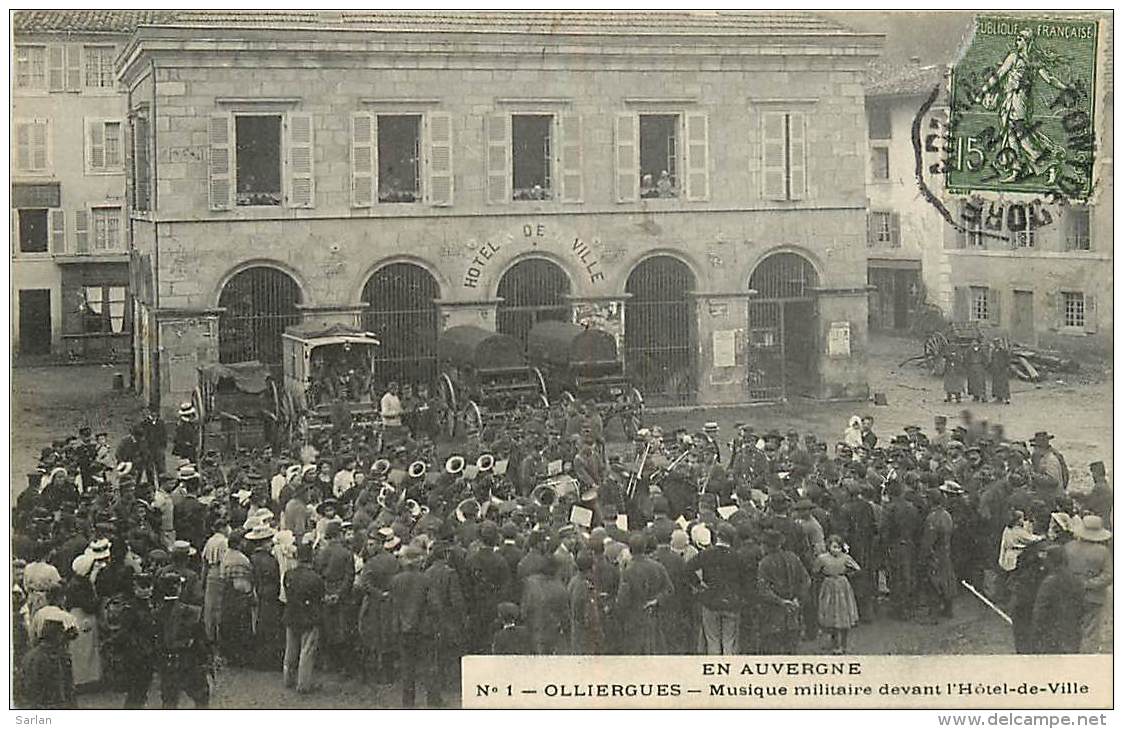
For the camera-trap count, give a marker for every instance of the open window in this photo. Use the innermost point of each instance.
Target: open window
(257, 144)
(659, 155)
(34, 234)
(532, 173)
(399, 158)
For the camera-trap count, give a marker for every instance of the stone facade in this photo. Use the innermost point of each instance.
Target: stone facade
(64, 82)
(185, 251)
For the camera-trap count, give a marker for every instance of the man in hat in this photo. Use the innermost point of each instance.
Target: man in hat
(136, 641)
(858, 527)
(185, 440)
(153, 442)
(782, 586)
(409, 590)
(644, 587)
(188, 514)
(723, 586)
(1089, 558)
(901, 524)
(488, 573)
(1047, 459)
(1100, 500)
(185, 656)
(268, 623)
(1058, 607)
(336, 565)
(304, 599)
(448, 612)
(545, 610)
(374, 614)
(934, 564)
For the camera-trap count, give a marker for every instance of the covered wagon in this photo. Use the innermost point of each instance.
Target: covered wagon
(240, 405)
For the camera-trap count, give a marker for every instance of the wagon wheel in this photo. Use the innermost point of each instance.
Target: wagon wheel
(448, 391)
(473, 418)
(197, 402)
(544, 401)
(934, 347)
(541, 381)
(567, 397)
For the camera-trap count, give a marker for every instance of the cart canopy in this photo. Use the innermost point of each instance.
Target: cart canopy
(250, 377)
(469, 346)
(564, 343)
(319, 333)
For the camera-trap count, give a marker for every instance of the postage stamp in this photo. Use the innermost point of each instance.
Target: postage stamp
(1021, 111)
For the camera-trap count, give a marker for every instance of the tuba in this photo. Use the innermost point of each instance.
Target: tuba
(413, 508)
(454, 465)
(544, 495)
(485, 462)
(417, 469)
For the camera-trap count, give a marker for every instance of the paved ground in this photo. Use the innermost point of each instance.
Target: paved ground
(51, 400)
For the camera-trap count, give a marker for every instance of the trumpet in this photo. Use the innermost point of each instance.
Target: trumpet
(418, 469)
(454, 465)
(485, 462)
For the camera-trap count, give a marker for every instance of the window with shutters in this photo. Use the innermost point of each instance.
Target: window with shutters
(34, 234)
(141, 170)
(399, 158)
(532, 157)
(104, 142)
(980, 303)
(659, 155)
(1074, 309)
(879, 163)
(99, 66)
(105, 235)
(31, 67)
(1078, 229)
(32, 154)
(257, 156)
(785, 155)
(64, 68)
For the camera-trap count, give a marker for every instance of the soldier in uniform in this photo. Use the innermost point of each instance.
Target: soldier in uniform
(185, 657)
(137, 642)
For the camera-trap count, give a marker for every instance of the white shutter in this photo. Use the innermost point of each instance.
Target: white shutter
(697, 157)
(74, 68)
(40, 159)
(23, 146)
(95, 144)
(220, 162)
(572, 182)
(498, 135)
(364, 165)
(57, 223)
(1091, 320)
(797, 155)
(627, 157)
(440, 184)
(302, 152)
(773, 173)
(56, 68)
(82, 231)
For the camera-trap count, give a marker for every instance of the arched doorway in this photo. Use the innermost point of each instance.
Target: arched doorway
(532, 290)
(660, 330)
(783, 328)
(258, 304)
(403, 313)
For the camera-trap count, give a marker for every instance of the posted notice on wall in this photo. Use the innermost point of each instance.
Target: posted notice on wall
(725, 348)
(838, 340)
(1070, 682)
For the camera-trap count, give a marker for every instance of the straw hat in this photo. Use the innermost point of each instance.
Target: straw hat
(1091, 529)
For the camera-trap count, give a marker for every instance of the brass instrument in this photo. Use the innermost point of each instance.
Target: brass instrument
(544, 495)
(663, 473)
(485, 462)
(385, 494)
(633, 481)
(418, 469)
(454, 465)
(380, 468)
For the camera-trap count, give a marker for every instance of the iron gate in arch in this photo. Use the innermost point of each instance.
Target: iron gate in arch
(532, 290)
(660, 330)
(403, 313)
(259, 303)
(783, 328)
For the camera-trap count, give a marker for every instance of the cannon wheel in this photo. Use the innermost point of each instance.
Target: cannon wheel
(448, 391)
(197, 401)
(473, 417)
(541, 382)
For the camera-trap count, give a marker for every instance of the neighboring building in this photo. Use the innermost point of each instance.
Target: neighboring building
(1050, 286)
(412, 171)
(69, 261)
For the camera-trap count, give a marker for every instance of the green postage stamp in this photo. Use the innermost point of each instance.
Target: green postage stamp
(1022, 108)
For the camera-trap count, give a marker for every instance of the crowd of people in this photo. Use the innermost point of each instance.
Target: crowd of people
(387, 559)
(972, 367)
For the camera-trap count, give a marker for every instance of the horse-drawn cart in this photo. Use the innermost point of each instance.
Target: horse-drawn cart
(581, 363)
(328, 373)
(240, 406)
(485, 375)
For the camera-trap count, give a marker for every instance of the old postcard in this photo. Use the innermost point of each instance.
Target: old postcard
(571, 359)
